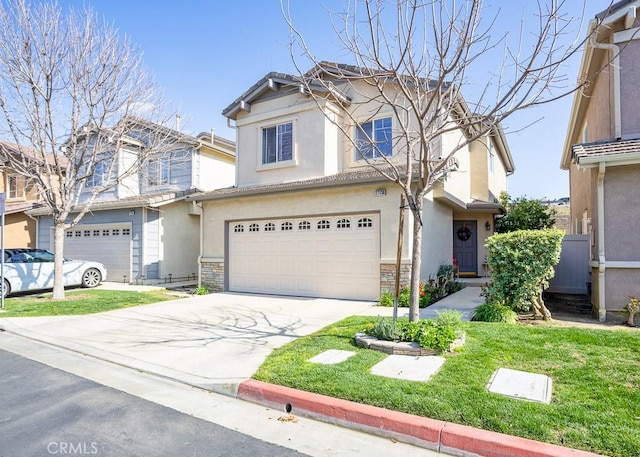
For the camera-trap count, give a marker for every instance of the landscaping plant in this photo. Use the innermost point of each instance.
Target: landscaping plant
(521, 265)
(492, 311)
(632, 308)
(436, 333)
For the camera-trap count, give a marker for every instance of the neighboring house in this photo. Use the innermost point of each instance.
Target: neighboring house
(20, 197)
(143, 229)
(309, 217)
(602, 154)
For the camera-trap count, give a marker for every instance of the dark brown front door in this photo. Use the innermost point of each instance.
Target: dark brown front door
(465, 246)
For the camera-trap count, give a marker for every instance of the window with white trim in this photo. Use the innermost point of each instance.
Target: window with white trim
(277, 143)
(374, 139)
(126, 232)
(98, 177)
(254, 228)
(269, 227)
(304, 225)
(343, 224)
(15, 187)
(286, 226)
(158, 173)
(239, 228)
(492, 156)
(96, 233)
(87, 233)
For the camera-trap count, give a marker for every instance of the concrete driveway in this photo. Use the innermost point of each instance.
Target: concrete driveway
(212, 341)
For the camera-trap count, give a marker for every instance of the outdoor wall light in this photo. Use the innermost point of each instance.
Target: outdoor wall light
(487, 225)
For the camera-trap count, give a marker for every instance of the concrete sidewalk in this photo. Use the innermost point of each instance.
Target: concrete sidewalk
(210, 341)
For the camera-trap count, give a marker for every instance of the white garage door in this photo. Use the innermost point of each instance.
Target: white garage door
(337, 256)
(109, 244)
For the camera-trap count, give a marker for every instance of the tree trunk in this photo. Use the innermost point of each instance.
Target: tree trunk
(539, 308)
(416, 263)
(58, 246)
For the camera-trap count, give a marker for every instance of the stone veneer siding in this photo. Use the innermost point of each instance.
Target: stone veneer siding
(212, 275)
(388, 276)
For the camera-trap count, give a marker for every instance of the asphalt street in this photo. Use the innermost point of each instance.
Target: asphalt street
(45, 411)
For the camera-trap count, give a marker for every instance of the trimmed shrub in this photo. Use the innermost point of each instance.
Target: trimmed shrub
(521, 265)
(386, 299)
(436, 333)
(494, 312)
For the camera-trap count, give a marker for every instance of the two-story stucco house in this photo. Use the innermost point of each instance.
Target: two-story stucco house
(309, 217)
(20, 197)
(142, 228)
(602, 154)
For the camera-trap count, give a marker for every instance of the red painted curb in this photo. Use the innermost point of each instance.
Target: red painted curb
(442, 436)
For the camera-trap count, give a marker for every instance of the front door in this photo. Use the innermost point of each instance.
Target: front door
(465, 247)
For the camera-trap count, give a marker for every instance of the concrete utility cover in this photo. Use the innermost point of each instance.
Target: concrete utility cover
(408, 367)
(332, 356)
(521, 384)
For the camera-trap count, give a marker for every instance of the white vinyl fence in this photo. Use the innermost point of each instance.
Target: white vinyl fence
(572, 272)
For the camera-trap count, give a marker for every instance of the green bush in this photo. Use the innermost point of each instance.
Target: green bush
(524, 214)
(201, 290)
(494, 312)
(521, 265)
(430, 291)
(386, 299)
(436, 333)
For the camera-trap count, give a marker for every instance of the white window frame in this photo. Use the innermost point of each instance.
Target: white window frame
(97, 178)
(161, 175)
(279, 161)
(492, 156)
(372, 138)
(14, 192)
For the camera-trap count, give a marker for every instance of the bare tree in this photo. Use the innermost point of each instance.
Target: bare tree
(413, 58)
(71, 95)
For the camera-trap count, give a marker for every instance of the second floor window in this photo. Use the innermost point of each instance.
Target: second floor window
(277, 143)
(374, 139)
(15, 187)
(97, 178)
(158, 172)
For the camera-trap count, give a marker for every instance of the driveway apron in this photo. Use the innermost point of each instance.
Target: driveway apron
(212, 341)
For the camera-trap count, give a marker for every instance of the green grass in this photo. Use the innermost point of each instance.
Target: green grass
(596, 381)
(84, 301)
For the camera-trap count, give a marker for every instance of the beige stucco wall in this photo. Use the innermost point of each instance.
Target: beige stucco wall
(622, 213)
(437, 238)
(180, 240)
(20, 231)
(458, 183)
(214, 170)
(337, 200)
(630, 88)
(479, 164)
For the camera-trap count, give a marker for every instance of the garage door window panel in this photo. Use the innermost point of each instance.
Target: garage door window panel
(324, 225)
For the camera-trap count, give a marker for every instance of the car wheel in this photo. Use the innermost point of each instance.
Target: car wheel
(91, 278)
(6, 290)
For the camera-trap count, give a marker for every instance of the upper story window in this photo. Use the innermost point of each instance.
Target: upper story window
(374, 139)
(15, 187)
(98, 176)
(158, 172)
(277, 143)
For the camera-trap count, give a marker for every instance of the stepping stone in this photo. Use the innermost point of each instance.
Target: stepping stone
(521, 384)
(331, 357)
(408, 367)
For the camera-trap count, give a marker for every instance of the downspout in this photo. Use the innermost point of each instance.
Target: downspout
(201, 254)
(37, 229)
(602, 267)
(235, 127)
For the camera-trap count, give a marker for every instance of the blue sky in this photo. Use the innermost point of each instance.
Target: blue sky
(205, 53)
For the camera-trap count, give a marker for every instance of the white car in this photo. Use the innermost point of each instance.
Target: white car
(32, 269)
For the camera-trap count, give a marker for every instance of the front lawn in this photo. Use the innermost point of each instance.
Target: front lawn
(596, 381)
(82, 301)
